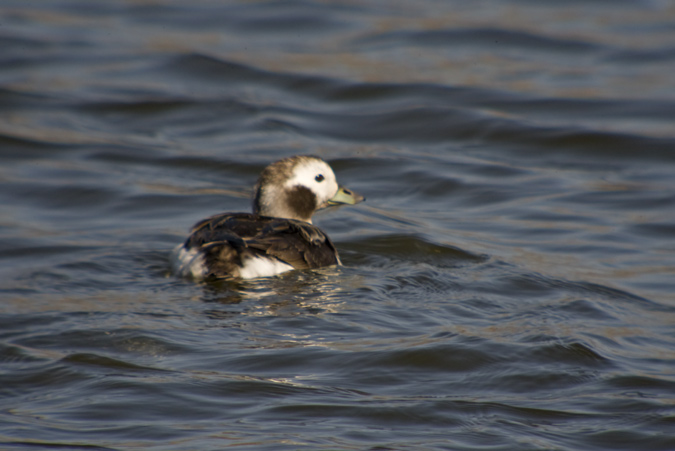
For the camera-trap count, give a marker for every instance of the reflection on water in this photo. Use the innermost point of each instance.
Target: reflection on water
(507, 286)
(315, 291)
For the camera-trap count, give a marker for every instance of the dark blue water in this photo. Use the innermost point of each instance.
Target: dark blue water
(508, 285)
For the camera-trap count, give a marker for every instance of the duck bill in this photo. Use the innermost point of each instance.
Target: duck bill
(345, 196)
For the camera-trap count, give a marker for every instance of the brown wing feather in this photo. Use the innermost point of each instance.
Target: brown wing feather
(227, 238)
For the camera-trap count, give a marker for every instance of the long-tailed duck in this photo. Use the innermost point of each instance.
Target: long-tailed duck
(279, 236)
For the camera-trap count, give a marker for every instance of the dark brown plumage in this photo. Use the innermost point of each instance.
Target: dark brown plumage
(228, 238)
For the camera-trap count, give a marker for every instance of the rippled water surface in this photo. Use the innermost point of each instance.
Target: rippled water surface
(508, 285)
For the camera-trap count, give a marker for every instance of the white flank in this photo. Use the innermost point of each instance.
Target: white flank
(188, 263)
(262, 267)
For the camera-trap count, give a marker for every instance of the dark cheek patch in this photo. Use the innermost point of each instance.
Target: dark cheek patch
(302, 201)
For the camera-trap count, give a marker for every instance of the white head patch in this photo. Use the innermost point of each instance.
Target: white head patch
(317, 176)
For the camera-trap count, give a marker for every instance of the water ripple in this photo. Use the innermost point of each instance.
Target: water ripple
(508, 284)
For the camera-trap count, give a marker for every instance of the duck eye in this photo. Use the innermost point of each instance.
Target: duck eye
(319, 178)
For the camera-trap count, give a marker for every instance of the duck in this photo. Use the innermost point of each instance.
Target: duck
(278, 236)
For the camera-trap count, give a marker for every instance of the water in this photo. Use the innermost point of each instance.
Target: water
(509, 283)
